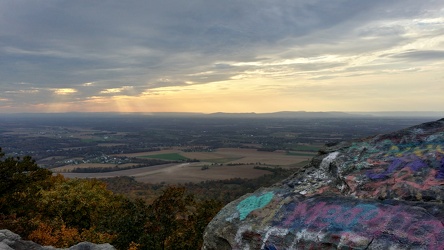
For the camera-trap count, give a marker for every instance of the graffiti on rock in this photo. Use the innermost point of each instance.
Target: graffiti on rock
(252, 203)
(344, 222)
(440, 174)
(386, 170)
(414, 163)
(383, 192)
(363, 219)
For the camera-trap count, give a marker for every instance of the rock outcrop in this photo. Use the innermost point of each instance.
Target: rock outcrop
(12, 241)
(382, 192)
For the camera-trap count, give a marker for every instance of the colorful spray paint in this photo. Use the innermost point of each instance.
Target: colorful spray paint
(384, 192)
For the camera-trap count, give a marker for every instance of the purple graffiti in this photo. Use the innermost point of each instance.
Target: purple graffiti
(397, 164)
(440, 174)
(417, 164)
(413, 162)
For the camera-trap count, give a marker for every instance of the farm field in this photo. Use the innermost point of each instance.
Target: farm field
(167, 157)
(194, 173)
(149, 153)
(252, 156)
(70, 167)
(178, 173)
(223, 163)
(232, 156)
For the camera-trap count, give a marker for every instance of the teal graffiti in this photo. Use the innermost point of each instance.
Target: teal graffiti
(253, 202)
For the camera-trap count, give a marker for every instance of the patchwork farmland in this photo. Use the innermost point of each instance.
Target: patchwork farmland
(224, 163)
(177, 149)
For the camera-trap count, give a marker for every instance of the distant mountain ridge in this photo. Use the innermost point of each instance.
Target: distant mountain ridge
(287, 114)
(280, 114)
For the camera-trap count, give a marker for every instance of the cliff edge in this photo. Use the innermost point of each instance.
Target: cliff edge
(381, 192)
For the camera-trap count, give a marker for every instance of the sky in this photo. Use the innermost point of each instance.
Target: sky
(221, 56)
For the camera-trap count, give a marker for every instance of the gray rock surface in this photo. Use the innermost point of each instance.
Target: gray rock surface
(91, 246)
(381, 192)
(12, 241)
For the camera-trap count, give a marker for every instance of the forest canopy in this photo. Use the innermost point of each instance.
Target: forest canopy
(53, 210)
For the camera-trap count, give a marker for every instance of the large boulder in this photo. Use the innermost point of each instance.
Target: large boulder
(12, 241)
(382, 192)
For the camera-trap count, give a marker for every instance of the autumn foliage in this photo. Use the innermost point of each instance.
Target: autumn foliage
(52, 210)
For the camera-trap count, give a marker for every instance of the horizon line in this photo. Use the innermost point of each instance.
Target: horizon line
(227, 113)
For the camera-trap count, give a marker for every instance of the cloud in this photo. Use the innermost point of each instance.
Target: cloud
(64, 91)
(122, 90)
(83, 49)
(424, 55)
(88, 84)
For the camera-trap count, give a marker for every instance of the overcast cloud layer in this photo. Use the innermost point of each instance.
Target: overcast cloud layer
(157, 55)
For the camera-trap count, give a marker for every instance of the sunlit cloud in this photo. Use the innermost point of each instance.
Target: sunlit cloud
(86, 84)
(202, 73)
(22, 91)
(64, 91)
(116, 90)
(111, 91)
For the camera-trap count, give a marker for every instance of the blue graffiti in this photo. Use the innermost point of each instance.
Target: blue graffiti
(252, 203)
(269, 246)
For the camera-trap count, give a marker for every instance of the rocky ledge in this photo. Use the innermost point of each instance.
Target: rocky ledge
(382, 192)
(12, 241)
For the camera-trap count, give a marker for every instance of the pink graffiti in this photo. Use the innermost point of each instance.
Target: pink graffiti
(399, 181)
(369, 220)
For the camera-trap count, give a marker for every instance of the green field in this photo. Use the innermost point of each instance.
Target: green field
(168, 157)
(301, 154)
